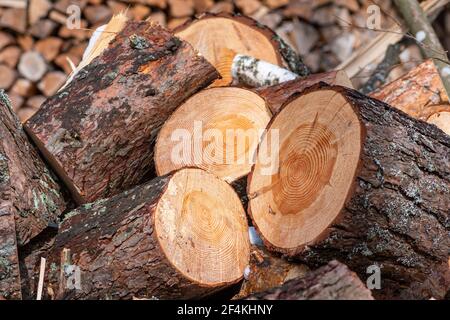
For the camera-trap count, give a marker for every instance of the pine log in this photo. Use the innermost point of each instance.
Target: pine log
(420, 93)
(178, 236)
(361, 182)
(217, 130)
(278, 94)
(267, 271)
(35, 198)
(98, 131)
(331, 282)
(219, 37)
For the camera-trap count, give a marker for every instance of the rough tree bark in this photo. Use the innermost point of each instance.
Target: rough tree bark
(98, 132)
(122, 247)
(33, 194)
(331, 282)
(278, 94)
(394, 210)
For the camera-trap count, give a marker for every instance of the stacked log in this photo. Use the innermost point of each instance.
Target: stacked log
(360, 182)
(96, 132)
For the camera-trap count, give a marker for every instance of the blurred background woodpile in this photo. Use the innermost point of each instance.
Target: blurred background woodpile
(37, 48)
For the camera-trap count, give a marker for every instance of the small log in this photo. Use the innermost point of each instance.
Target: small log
(178, 236)
(267, 271)
(35, 197)
(10, 287)
(331, 282)
(86, 142)
(360, 182)
(219, 37)
(32, 66)
(278, 94)
(420, 93)
(217, 130)
(38, 9)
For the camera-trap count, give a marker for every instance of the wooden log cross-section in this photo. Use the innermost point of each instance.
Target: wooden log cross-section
(179, 236)
(217, 129)
(331, 282)
(220, 37)
(360, 182)
(98, 131)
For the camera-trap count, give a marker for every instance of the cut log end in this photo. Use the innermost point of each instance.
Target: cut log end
(219, 37)
(201, 227)
(320, 139)
(228, 120)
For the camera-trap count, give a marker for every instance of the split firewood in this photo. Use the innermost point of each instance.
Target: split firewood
(217, 130)
(331, 282)
(35, 197)
(277, 95)
(420, 93)
(358, 181)
(8, 76)
(49, 47)
(38, 9)
(267, 271)
(51, 82)
(23, 88)
(10, 56)
(14, 19)
(178, 236)
(219, 37)
(131, 77)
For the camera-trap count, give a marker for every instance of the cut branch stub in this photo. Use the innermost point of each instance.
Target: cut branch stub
(32, 193)
(179, 236)
(360, 182)
(99, 130)
(217, 129)
(219, 37)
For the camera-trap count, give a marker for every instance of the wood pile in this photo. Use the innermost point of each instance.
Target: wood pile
(38, 49)
(156, 171)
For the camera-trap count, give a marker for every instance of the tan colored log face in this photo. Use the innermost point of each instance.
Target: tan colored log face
(320, 142)
(202, 228)
(219, 38)
(217, 130)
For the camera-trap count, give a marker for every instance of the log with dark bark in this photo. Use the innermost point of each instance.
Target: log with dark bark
(217, 129)
(178, 236)
(278, 94)
(331, 282)
(99, 130)
(31, 192)
(267, 271)
(361, 182)
(219, 37)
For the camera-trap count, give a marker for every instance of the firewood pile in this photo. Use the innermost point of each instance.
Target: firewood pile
(168, 156)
